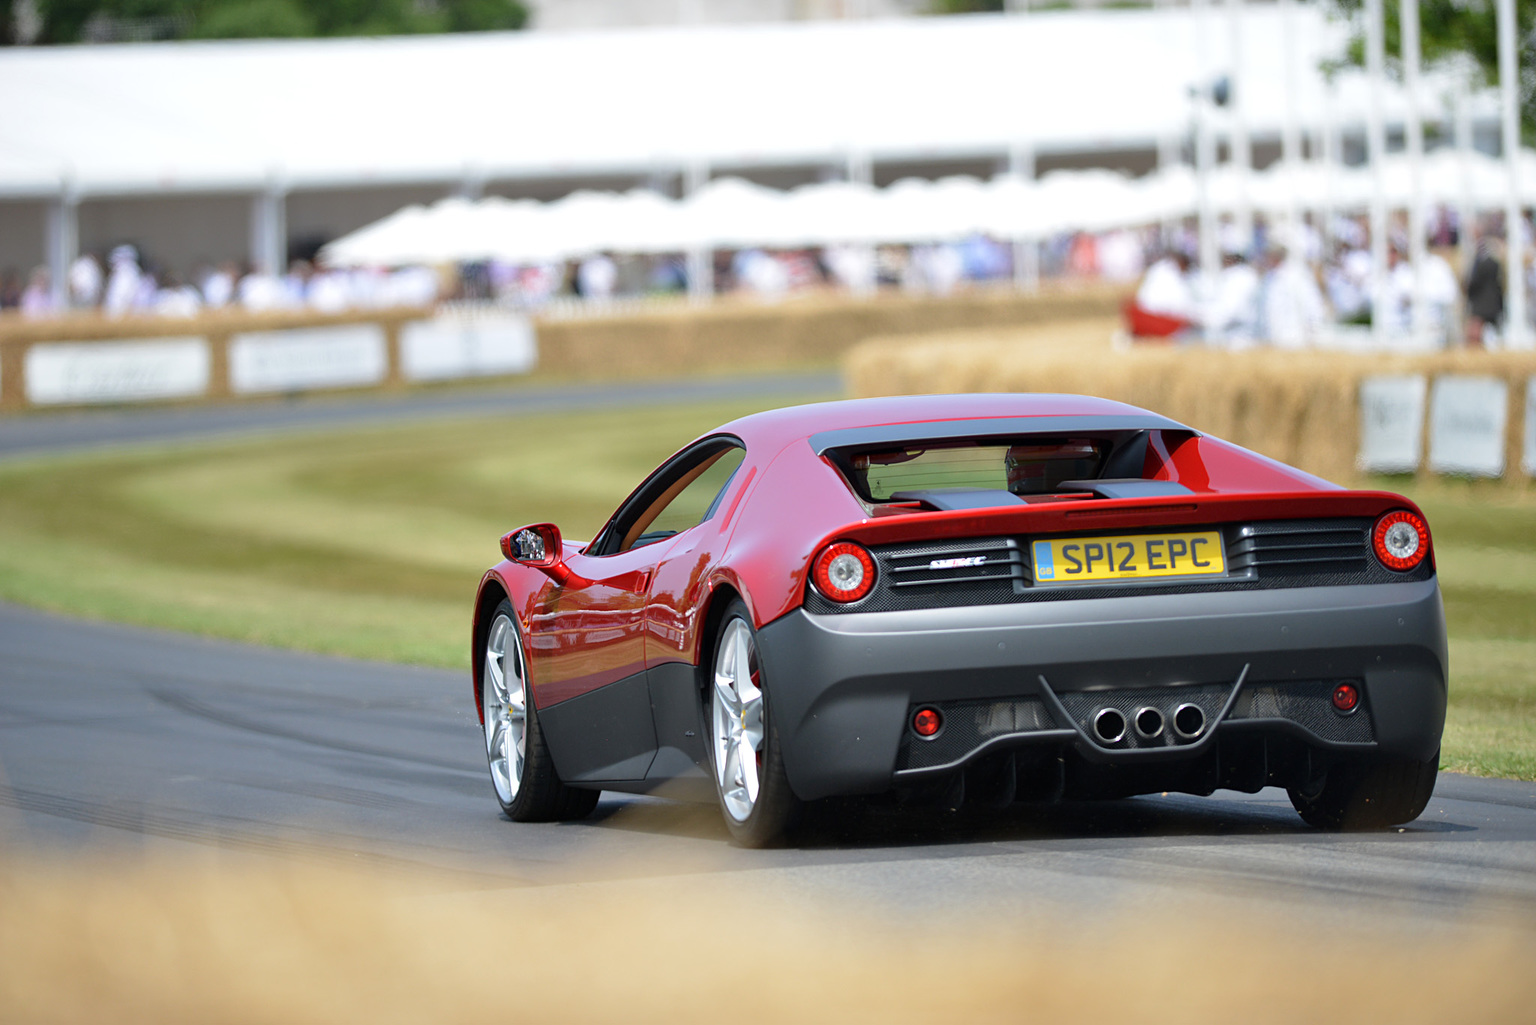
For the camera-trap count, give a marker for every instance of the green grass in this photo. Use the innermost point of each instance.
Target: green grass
(1485, 552)
(366, 543)
(370, 543)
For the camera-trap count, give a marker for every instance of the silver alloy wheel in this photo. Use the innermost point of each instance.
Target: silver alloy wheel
(737, 707)
(505, 695)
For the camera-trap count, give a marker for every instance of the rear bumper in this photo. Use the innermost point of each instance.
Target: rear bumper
(843, 685)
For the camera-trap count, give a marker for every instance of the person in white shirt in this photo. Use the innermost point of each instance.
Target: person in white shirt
(37, 299)
(1232, 315)
(1293, 306)
(597, 276)
(85, 281)
(853, 267)
(1120, 256)
(1166, 291)
(260, 292)
(122, 282)
(329, 291)
(1436, 282)
(219, 285)
(177, 299)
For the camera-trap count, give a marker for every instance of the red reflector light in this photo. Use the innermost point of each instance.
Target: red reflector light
(926, 722)
(1346, 697)
(1401, 540)
(843, 572)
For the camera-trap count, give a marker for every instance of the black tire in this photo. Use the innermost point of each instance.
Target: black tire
(775, 812)
(1369, 794)
(538, 794)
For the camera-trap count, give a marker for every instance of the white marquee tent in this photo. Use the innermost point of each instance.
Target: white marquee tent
(732, 213)
(163, 118)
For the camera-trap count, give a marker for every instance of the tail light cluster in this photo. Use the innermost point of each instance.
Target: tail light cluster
(1401, 540)
(843, 572)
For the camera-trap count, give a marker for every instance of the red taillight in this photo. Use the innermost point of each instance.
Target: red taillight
(843, 572)
(1346, 697)
(1401, 540)
(927, 722)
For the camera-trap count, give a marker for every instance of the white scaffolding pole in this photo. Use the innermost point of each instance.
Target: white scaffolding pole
(1515, 333)
(1241, 156)
(1026, 251)
(1332, 156)
(701, 261)
(1290, 134)
(1415, 139)
(63, 241)
(1376, 146)
(1466, 212)
(1169, 155)
(1205, 149)
(269, 229)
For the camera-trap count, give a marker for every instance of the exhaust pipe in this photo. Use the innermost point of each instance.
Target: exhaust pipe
(1149, 723)
(1188, 721)
(1109, 725)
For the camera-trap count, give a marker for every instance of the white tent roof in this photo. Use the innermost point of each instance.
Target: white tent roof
(732, 213)
(168, 117)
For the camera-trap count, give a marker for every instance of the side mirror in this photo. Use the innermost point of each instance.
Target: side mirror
(539, 546)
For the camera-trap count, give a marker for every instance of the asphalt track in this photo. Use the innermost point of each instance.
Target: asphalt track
(47, 432)
(115, 737)
(122, 739)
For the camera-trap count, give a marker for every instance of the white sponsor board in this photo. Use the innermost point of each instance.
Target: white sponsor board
(1392, 423)
(137, 371)
(467, 344)
(1466, 425)
(346, 356)
(1528, 457)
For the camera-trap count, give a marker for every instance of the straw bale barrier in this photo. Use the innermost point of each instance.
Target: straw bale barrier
(18, 335)
(1301, 408)
(671, 340)
(748, 335)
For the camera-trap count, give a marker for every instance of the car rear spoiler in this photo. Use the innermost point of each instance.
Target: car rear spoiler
(995, 427)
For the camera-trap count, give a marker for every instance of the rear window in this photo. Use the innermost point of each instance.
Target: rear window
(1033, 466)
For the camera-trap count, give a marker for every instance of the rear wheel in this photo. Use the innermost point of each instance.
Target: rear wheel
(522, 771)
(1369, 794)
(759, 807)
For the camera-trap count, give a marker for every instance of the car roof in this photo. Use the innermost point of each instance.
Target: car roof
(781, 426)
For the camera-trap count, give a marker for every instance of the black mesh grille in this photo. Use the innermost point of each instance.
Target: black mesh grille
(1300, 548)
(1083, 706)
(1309, 704)
(968, 725)
(1260, 556)
(992, 560)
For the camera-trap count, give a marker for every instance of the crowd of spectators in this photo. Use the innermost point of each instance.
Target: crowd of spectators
(123, 285)
(1286, 287)
(1295, 287)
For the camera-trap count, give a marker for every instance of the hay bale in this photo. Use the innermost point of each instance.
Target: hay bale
(1299, 407)
(813, 330)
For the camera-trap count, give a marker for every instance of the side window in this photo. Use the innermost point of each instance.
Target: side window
(688, 502)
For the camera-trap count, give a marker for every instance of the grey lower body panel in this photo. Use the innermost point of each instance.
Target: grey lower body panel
(843, 686)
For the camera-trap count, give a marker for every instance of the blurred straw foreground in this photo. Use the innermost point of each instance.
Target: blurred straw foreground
(172, 941)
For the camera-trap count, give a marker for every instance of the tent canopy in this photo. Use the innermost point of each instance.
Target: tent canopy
(730, 213)
(246, 116)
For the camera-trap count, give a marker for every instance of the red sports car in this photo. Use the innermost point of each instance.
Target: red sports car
(967, 598)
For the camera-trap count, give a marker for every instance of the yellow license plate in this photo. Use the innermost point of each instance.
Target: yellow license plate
(1128, 557)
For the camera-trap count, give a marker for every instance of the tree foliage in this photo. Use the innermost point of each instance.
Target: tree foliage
(73, 21)
(1459, 33)
(965, 6)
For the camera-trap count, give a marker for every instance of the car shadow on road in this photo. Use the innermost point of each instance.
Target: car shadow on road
(855, 824)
